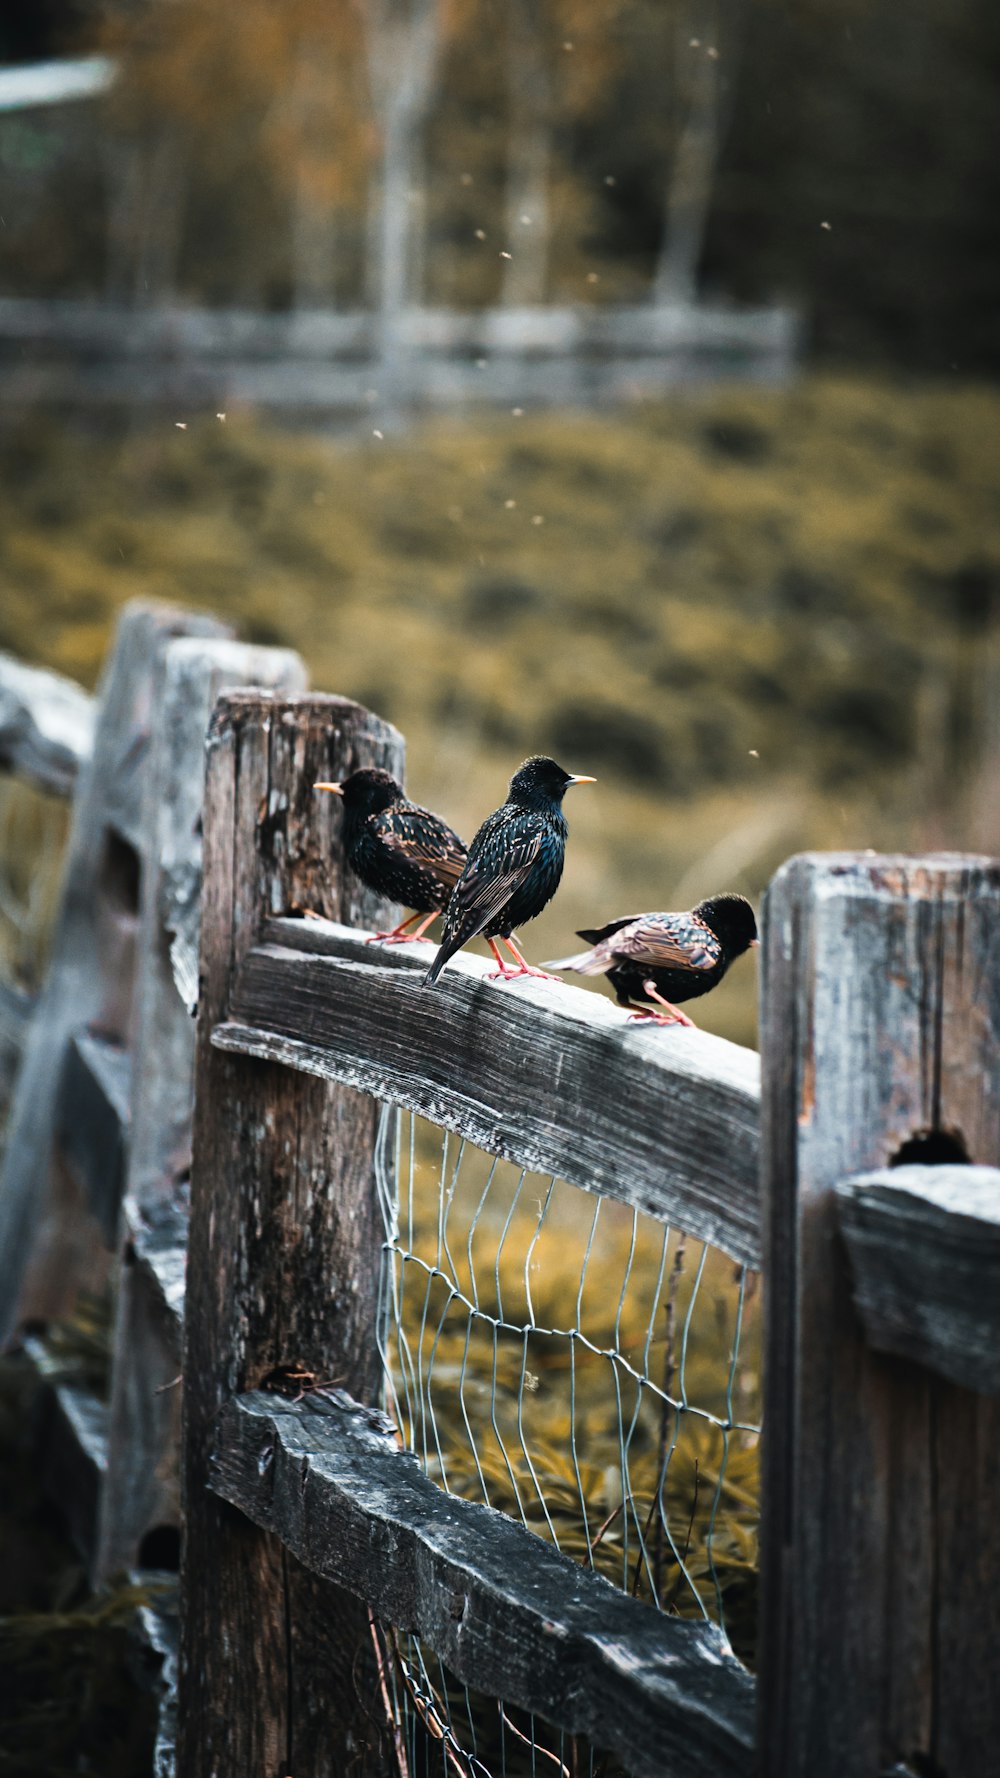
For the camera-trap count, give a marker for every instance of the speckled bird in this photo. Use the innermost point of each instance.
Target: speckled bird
(398, 849)
(514, 866)
(659, 959)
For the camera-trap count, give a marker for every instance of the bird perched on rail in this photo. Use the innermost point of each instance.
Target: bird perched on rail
(398, 849)
(513, 869)
(658, 959)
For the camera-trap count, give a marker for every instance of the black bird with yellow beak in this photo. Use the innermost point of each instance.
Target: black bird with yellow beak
(398, 849)
(513, 868)
(654, 960)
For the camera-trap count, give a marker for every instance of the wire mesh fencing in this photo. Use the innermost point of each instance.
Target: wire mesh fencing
(583, 1368)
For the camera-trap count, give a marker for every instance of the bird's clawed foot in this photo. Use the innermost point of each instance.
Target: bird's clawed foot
(670, 1014)
(399, 934)
(505, 973)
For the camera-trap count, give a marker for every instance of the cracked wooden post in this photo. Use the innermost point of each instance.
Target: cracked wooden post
(283, 1259)
(881, 1482)
(141, 1489)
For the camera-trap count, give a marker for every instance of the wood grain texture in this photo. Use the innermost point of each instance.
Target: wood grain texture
(881, 1484)
(46, 725)
(549, 1076)
(507, 1613)
(142, 1488)
(284, 1252)
(924, 1247)
(89, 976)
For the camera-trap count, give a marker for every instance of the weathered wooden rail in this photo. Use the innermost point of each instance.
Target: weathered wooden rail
(881, 1553)
(327, 361)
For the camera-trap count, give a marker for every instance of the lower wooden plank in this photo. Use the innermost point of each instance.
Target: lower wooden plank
(924, 1247)
(508, 1614)
(16, 1008)
(93, 1121)
(140, 1507)
(72, 1443)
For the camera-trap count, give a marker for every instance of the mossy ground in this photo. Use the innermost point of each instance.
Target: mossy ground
(758, 616)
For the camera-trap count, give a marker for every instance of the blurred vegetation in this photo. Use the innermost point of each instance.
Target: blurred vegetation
(766, 620)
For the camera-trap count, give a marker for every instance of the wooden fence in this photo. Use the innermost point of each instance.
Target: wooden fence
(862, 1175)
(335, 362)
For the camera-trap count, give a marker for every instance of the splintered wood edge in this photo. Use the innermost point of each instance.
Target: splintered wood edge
(924, 1248)
(545, 1075)
(508, 1614)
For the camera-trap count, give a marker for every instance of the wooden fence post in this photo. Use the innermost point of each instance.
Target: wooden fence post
(89, 976)
(283, 1256)
(881, 1483)
(141, 1487)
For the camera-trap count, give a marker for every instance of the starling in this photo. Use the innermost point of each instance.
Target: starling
(402, 851)
(513, 868)
(657, 959)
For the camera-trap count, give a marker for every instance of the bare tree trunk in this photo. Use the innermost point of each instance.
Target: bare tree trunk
(123, 181)
(529, 155)
(403, 42)
(313, 216)
(689, 180)
(158, 234)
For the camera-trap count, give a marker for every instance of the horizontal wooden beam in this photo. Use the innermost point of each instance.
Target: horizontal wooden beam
(924, 1247)
(16, 1008)
(93, 1122)
(157, 1236)
(549, 1076)
(507, 1613)
(72, 1443)
(46, 725)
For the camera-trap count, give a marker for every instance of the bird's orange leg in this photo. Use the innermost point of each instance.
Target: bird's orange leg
(671, 1014)
(399, 934)
(523, 966)
(503, 972)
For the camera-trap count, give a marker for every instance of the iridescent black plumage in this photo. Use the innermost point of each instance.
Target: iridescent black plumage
(660, 959)
(397, 848)
(514, 865)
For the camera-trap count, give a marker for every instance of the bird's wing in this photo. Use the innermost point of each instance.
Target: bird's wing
(489, 881)
(423, 838)
(665, 941)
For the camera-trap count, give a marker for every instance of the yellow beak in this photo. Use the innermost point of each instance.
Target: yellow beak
(581, 778)
(338, 789)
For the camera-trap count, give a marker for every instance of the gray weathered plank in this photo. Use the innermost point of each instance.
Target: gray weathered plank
(880, 1568)
(508, 1614)
(90, 973)
(283, 1256)
(46, 725)
(546, 1075)
(16, 1008)
(142, 1488)
(71, 1444)
(924, 1246)
(92, 1123)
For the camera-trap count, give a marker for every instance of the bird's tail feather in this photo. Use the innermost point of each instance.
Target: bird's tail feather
(583, 963)
(444, 952)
